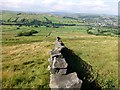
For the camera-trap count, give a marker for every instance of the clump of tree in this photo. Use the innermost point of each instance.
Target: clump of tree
(27, 33)
(70, 18)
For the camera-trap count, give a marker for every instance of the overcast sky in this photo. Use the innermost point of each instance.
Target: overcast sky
(74, 6)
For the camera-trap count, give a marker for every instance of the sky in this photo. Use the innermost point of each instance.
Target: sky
(72, 6)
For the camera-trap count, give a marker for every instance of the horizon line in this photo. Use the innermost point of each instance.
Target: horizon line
(57, 12)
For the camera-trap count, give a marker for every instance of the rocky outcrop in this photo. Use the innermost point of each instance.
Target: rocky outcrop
(59, 78)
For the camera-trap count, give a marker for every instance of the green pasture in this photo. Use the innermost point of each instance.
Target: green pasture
(25, 58)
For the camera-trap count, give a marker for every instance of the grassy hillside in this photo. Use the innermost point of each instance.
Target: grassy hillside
(25, 58)
(31, 16)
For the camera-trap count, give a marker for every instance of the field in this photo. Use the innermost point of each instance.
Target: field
(25, 58)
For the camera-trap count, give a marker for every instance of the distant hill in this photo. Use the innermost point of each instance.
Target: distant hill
(61, 17)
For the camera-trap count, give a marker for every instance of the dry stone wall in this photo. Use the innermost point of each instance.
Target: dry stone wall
(59, 78)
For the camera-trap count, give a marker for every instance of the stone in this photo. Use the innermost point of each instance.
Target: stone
(49, 59)
(62, 71)
(59, 63)
(65, 81)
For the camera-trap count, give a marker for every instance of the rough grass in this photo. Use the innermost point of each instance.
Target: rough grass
(25, 58)
(26, 64)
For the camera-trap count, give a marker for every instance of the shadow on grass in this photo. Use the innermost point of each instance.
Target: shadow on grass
(84, 70)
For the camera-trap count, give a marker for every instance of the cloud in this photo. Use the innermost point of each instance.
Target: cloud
(16, 4)
(47, 1)
(92, 2)
(90, 6)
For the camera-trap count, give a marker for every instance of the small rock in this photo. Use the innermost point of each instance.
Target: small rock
(59, 63)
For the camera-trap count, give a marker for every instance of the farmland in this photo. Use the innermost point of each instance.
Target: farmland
(25, 58)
